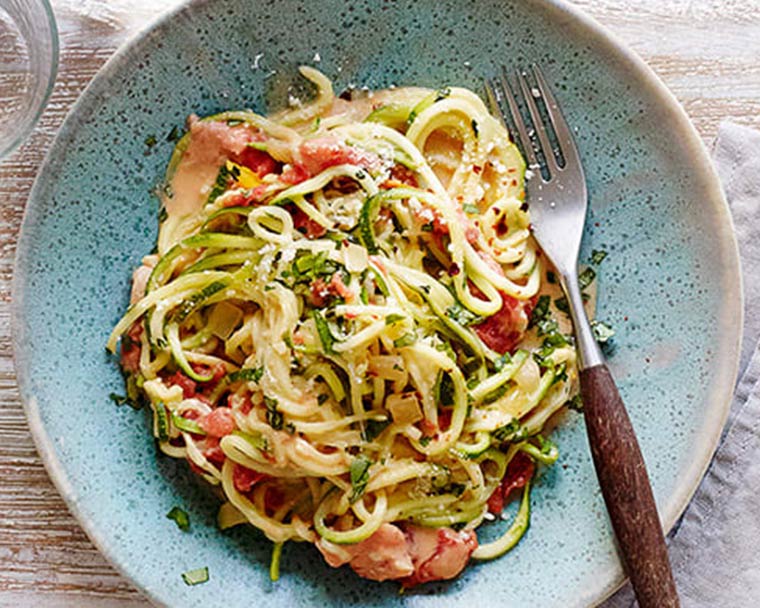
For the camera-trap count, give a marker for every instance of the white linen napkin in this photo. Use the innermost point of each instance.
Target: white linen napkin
(714, 551)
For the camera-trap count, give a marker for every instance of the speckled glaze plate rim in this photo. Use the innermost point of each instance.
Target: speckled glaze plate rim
(731, 313)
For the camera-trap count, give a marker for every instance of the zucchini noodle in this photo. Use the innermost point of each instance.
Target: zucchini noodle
(347, 323)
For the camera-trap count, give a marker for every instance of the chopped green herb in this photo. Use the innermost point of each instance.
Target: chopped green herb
(597, 256)
(511, 432)
(180, 517)
(151, 141)
(163, 214)
(427, 227)
(322, 398)
(540, 311)
(392, 319)
(325, 335)
(602, 331)
(443, 390)
(359, 474)
(425, 440)
(551, 277)
(373, 428)
(474, 125)
(586, 277)
(119, 399)
(274, 416)
(471, 209)
(562, 305)
(405, 340)
(195, 577)
(576, 403)
(364, 295)
(220, 185)
(545, 445)
(174, 134)
(461, 315)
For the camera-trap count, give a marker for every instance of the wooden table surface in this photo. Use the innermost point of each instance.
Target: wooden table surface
(706, 51)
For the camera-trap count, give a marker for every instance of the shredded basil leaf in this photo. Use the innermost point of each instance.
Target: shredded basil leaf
(180, 517)
(511, 432)
(540, 311)
(597, 256)
(274, 416)
(359, 474)
(373, 428)
(586, 277)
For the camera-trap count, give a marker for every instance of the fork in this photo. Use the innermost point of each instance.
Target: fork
(558, 202)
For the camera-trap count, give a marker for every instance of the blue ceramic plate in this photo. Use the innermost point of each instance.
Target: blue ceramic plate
(670, 284)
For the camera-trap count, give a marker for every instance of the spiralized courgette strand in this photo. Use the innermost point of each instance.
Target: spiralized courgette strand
(346, 323)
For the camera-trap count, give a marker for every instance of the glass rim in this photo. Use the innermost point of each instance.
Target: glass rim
(53, 56)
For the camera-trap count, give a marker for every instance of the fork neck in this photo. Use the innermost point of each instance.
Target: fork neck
(589, 354)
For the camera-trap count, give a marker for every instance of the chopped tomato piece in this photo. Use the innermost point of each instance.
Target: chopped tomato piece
(324, 152)
(214, 455)
(245, 478)
(519, 472)
(257, 161)
(503, 330)
(294, 174)
(305, 225)
(337, 285)
(274, 499)
(219, 422)
(188, 385)
(130, 349)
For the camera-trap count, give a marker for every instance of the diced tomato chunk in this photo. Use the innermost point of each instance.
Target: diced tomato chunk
(219, 422)
(503, 330)
(274, 499)
(130, 349)
(519, 472)
(188, 385)
(324, 152)
(214, 455)
(305, 225)
(294, 174)
(245, 478)
(257, 161)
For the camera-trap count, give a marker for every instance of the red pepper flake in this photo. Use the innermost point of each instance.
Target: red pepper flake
(454, 270)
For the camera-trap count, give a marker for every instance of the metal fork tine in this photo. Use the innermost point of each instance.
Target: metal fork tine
(538, 124)
(564, 136)
(493, 103)
(517, 120)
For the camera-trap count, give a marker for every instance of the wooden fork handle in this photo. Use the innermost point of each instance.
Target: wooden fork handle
(626, 490)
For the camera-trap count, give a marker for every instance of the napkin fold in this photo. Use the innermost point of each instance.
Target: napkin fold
(714, 552)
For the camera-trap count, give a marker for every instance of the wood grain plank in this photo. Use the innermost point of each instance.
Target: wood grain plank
(706, 51)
